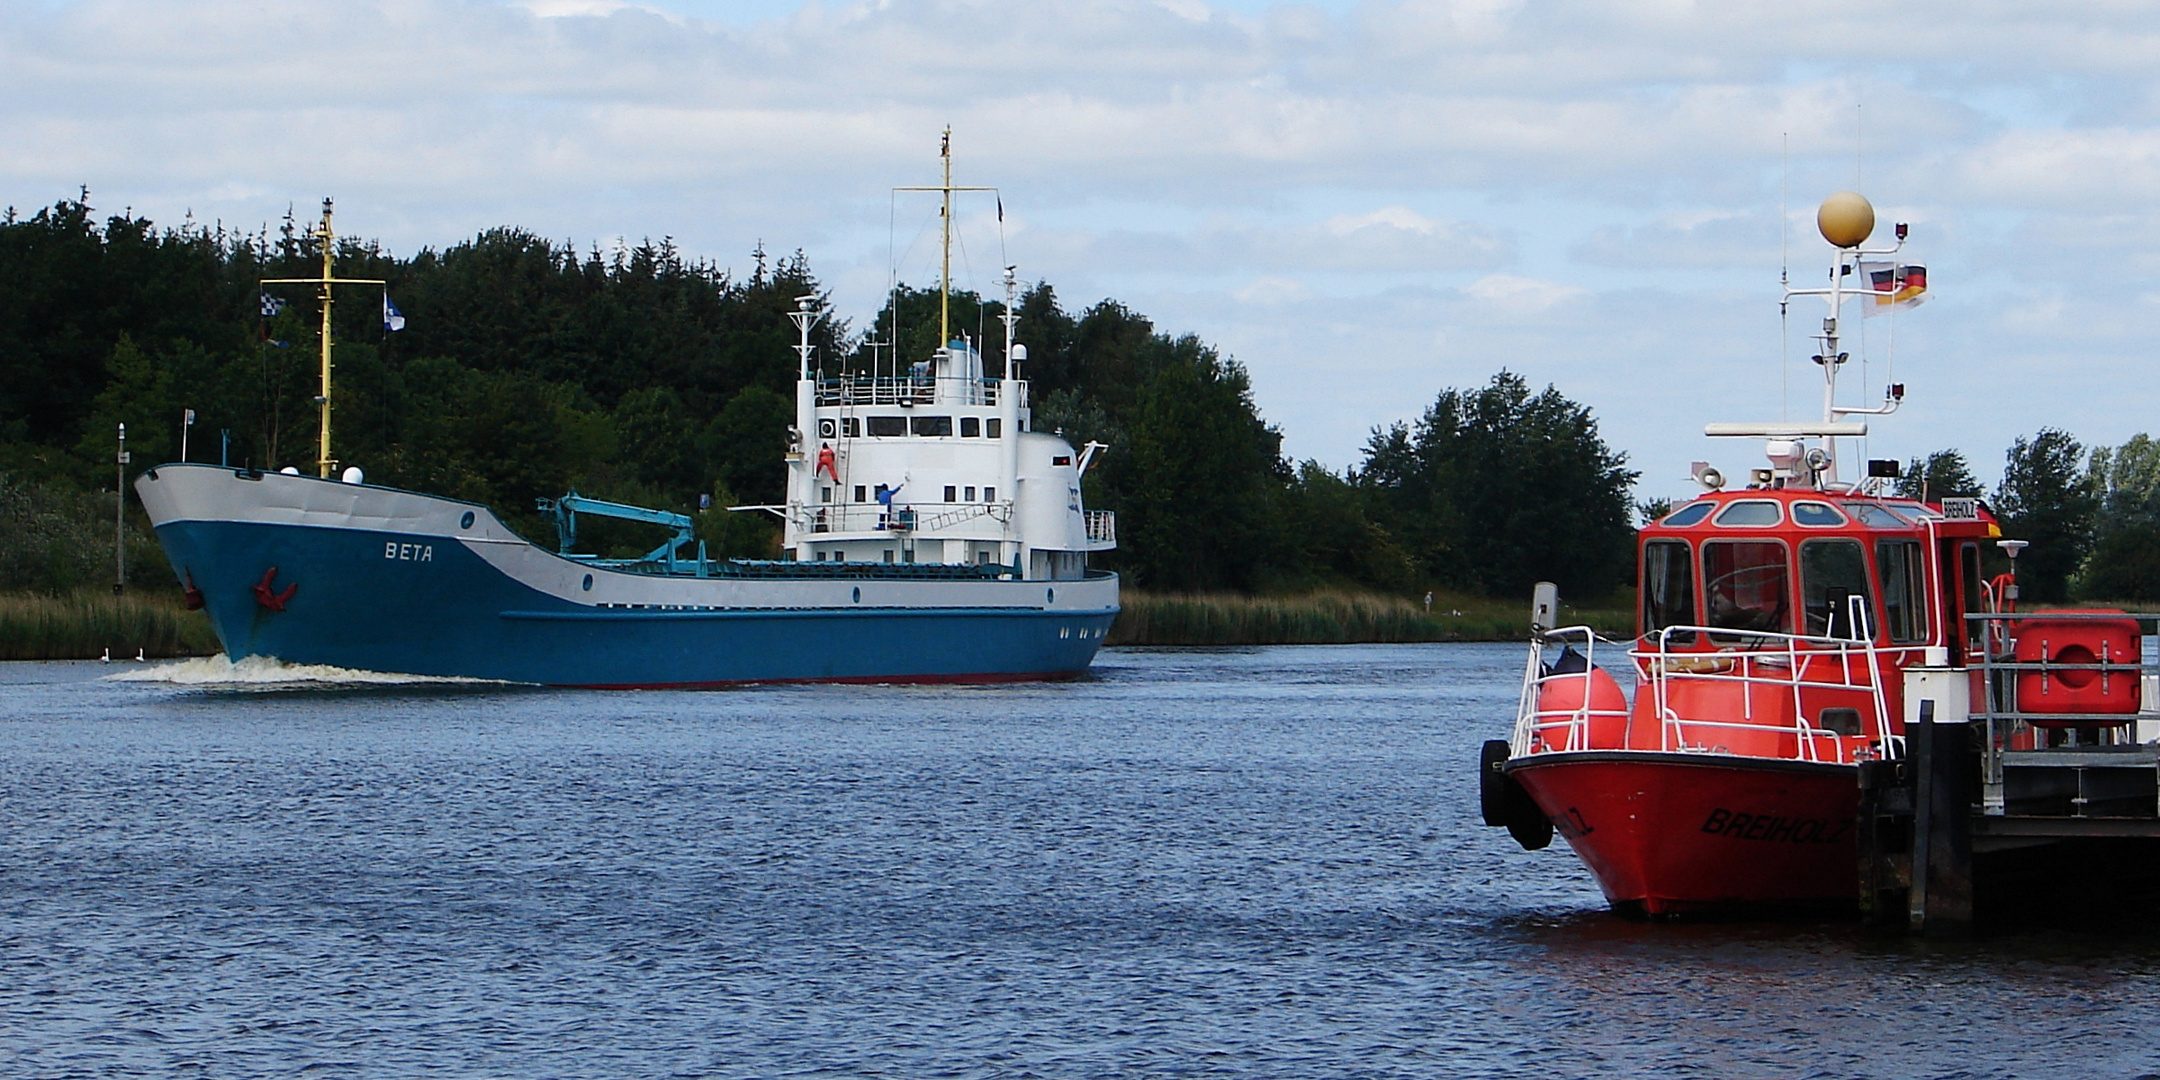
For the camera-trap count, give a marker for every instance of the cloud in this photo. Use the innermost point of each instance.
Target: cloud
(1516, 295)
(1542, 184)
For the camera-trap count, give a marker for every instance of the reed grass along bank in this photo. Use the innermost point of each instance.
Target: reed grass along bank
(83, 625)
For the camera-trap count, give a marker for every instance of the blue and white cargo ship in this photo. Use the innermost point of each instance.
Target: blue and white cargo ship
(929, 536)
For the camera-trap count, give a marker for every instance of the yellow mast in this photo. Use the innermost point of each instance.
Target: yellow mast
(322, 233)
(944, 305)
(944, 212)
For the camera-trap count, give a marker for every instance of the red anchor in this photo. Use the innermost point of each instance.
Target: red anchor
(193, 594)
(273, 601)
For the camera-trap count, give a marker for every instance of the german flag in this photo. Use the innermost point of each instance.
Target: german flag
(1892, 286)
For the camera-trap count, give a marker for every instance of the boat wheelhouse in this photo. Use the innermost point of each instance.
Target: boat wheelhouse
(939, 465)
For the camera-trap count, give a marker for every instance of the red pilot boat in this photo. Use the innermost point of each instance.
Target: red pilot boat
(1775, 625)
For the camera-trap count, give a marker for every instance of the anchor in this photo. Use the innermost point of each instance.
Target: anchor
(273, 601)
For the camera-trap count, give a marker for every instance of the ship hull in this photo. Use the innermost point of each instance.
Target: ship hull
(318, 572)
(1669, 834)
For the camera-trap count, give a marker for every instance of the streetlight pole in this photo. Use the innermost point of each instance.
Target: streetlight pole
(119, 518)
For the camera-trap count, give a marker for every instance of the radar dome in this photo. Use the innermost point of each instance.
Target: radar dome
(1846, 219)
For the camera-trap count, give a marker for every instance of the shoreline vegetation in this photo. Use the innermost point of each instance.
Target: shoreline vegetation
(1336, 617)
(84, 624)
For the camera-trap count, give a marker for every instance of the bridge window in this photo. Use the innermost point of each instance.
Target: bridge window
(989, 494)
(1749, 512)
(952, 494)
(1816, 514)
(1668, 581)
(1747, 586)
(970, 427)
(851, 426)
(1832, 574)
(888, 425)
(1689, 514)
(933, 425)
(970, 494)
(1875, 517)
(994, 427)
(1904, 590)
(861, 493)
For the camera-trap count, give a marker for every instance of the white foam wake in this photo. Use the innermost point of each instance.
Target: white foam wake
(270, 671)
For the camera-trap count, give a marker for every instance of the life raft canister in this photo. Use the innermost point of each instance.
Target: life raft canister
(2041, 640)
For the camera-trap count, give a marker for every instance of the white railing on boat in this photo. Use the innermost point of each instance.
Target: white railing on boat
(877, 518)
(1801, 666)
(1102, 526)
(908, 390)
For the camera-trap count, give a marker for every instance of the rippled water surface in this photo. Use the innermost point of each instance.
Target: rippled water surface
(1252, 862)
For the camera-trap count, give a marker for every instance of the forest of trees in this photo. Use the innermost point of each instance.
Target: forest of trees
(527, 368)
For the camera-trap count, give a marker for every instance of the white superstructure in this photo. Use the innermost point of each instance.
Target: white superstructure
(939, 465)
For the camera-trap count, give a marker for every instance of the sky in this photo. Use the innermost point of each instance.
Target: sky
(1364, 203)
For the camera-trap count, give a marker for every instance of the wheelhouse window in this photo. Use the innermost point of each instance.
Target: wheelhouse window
(1688, 515)
(970, 427)
(1815, 514)
(933, 425)
(994, 428)
(1668, 588)
(1747, 586)
(888, 425)
(851, 427)
(1832, 574)
(1904, 590)
(1876, 517)
(1749, 512)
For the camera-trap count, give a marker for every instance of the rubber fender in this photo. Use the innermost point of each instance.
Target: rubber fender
(1505, 802)
(1526, 823)
(1492, 783)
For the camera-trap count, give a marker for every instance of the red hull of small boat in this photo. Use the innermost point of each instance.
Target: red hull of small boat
(1670, 834)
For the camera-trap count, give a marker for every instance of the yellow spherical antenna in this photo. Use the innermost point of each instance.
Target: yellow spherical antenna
(1846, 219)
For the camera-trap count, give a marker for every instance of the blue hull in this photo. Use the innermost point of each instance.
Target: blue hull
(454, 614)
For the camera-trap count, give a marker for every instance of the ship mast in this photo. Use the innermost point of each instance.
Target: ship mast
(323, 235)
(945, 216)
(1846, 219)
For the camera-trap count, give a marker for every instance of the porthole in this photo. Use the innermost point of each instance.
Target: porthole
(588, 583)
(466, 521)
(858, 594)
(1049, 596)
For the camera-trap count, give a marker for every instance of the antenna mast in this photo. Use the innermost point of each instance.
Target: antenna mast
(323, 234)
(945, 214)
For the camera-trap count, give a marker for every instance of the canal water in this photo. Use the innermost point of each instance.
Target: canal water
(1258, 862)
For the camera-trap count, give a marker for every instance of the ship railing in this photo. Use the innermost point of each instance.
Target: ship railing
(1791, 668)
(877, 517)
(1102, 526)
(907, 390)
(1797, 670)
(2089, 763)
(1562, 728)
